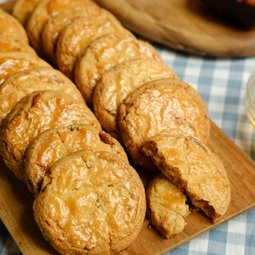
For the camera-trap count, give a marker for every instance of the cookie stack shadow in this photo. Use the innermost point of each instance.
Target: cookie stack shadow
(62, 132)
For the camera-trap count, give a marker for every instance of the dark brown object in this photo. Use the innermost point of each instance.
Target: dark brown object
(240, 12)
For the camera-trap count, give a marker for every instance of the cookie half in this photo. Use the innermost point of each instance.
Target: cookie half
(104, 53)
(31, 116)
(117, 83)
(158, 105)
(40, 78)
(90, 203)
(193, 167)
(167, 208)
(53, 144)
(77, 36)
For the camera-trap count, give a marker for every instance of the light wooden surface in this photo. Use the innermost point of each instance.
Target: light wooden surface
(16, 205)
(184, 25)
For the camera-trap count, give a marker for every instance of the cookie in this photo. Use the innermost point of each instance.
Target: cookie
(90, 203)
(56, 24)
(103, 54)
(117, 83)
(158, 105)
(193, 167)
(7, 46)
(53, 144)
(41, 78)
(31, 116)
(13, 62)
(167, 208)
(42, 13)
(77, 36)
(22, 9)
(11, 29)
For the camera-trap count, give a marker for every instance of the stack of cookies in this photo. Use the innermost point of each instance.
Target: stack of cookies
(88, 199)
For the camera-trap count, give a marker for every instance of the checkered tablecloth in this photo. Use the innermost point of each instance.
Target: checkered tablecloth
(222, 84)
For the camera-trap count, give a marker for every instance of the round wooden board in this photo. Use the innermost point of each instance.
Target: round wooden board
(183, 25)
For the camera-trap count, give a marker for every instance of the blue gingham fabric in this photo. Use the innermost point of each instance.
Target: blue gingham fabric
(222, 84)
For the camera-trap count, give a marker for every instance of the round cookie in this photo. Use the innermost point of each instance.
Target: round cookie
(13, 62)
(77, 36)
(90, 203)
(192, 166)
(53, 144)
(7, 46)
(34, 114)
(103, 54)
(42, 13)
(11, 29)
(57, 23)
(120, 81)
(167, 208)
(40, 78)
(158, 105)
(22, 9)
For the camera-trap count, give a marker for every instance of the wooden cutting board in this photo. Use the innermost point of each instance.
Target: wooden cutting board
(16, 205)
(183, 25)
(17, 215)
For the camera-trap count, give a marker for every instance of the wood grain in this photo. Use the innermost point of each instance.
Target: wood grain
(183, 25)
(16, 205)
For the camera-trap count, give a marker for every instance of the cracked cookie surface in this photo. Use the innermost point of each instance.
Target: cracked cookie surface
(31, 116)
(53, 144)
(158, 105)
(90, 203)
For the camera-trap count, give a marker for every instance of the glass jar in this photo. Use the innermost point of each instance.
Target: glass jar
(249, 100)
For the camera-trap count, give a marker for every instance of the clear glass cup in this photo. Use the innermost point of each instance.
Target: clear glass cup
(249, 100)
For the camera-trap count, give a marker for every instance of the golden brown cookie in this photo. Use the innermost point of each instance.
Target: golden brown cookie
(158, 105)
(167, 206)
(11, 29)
(53, 144)
(77, 36)
(13, 62)
(57, 23)
(41, 78)
(42, 13)
(193, 167)
(117, 83)
(90, 203)
(34, 114)
(6, 46)
(22, 9)
(103, 54)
